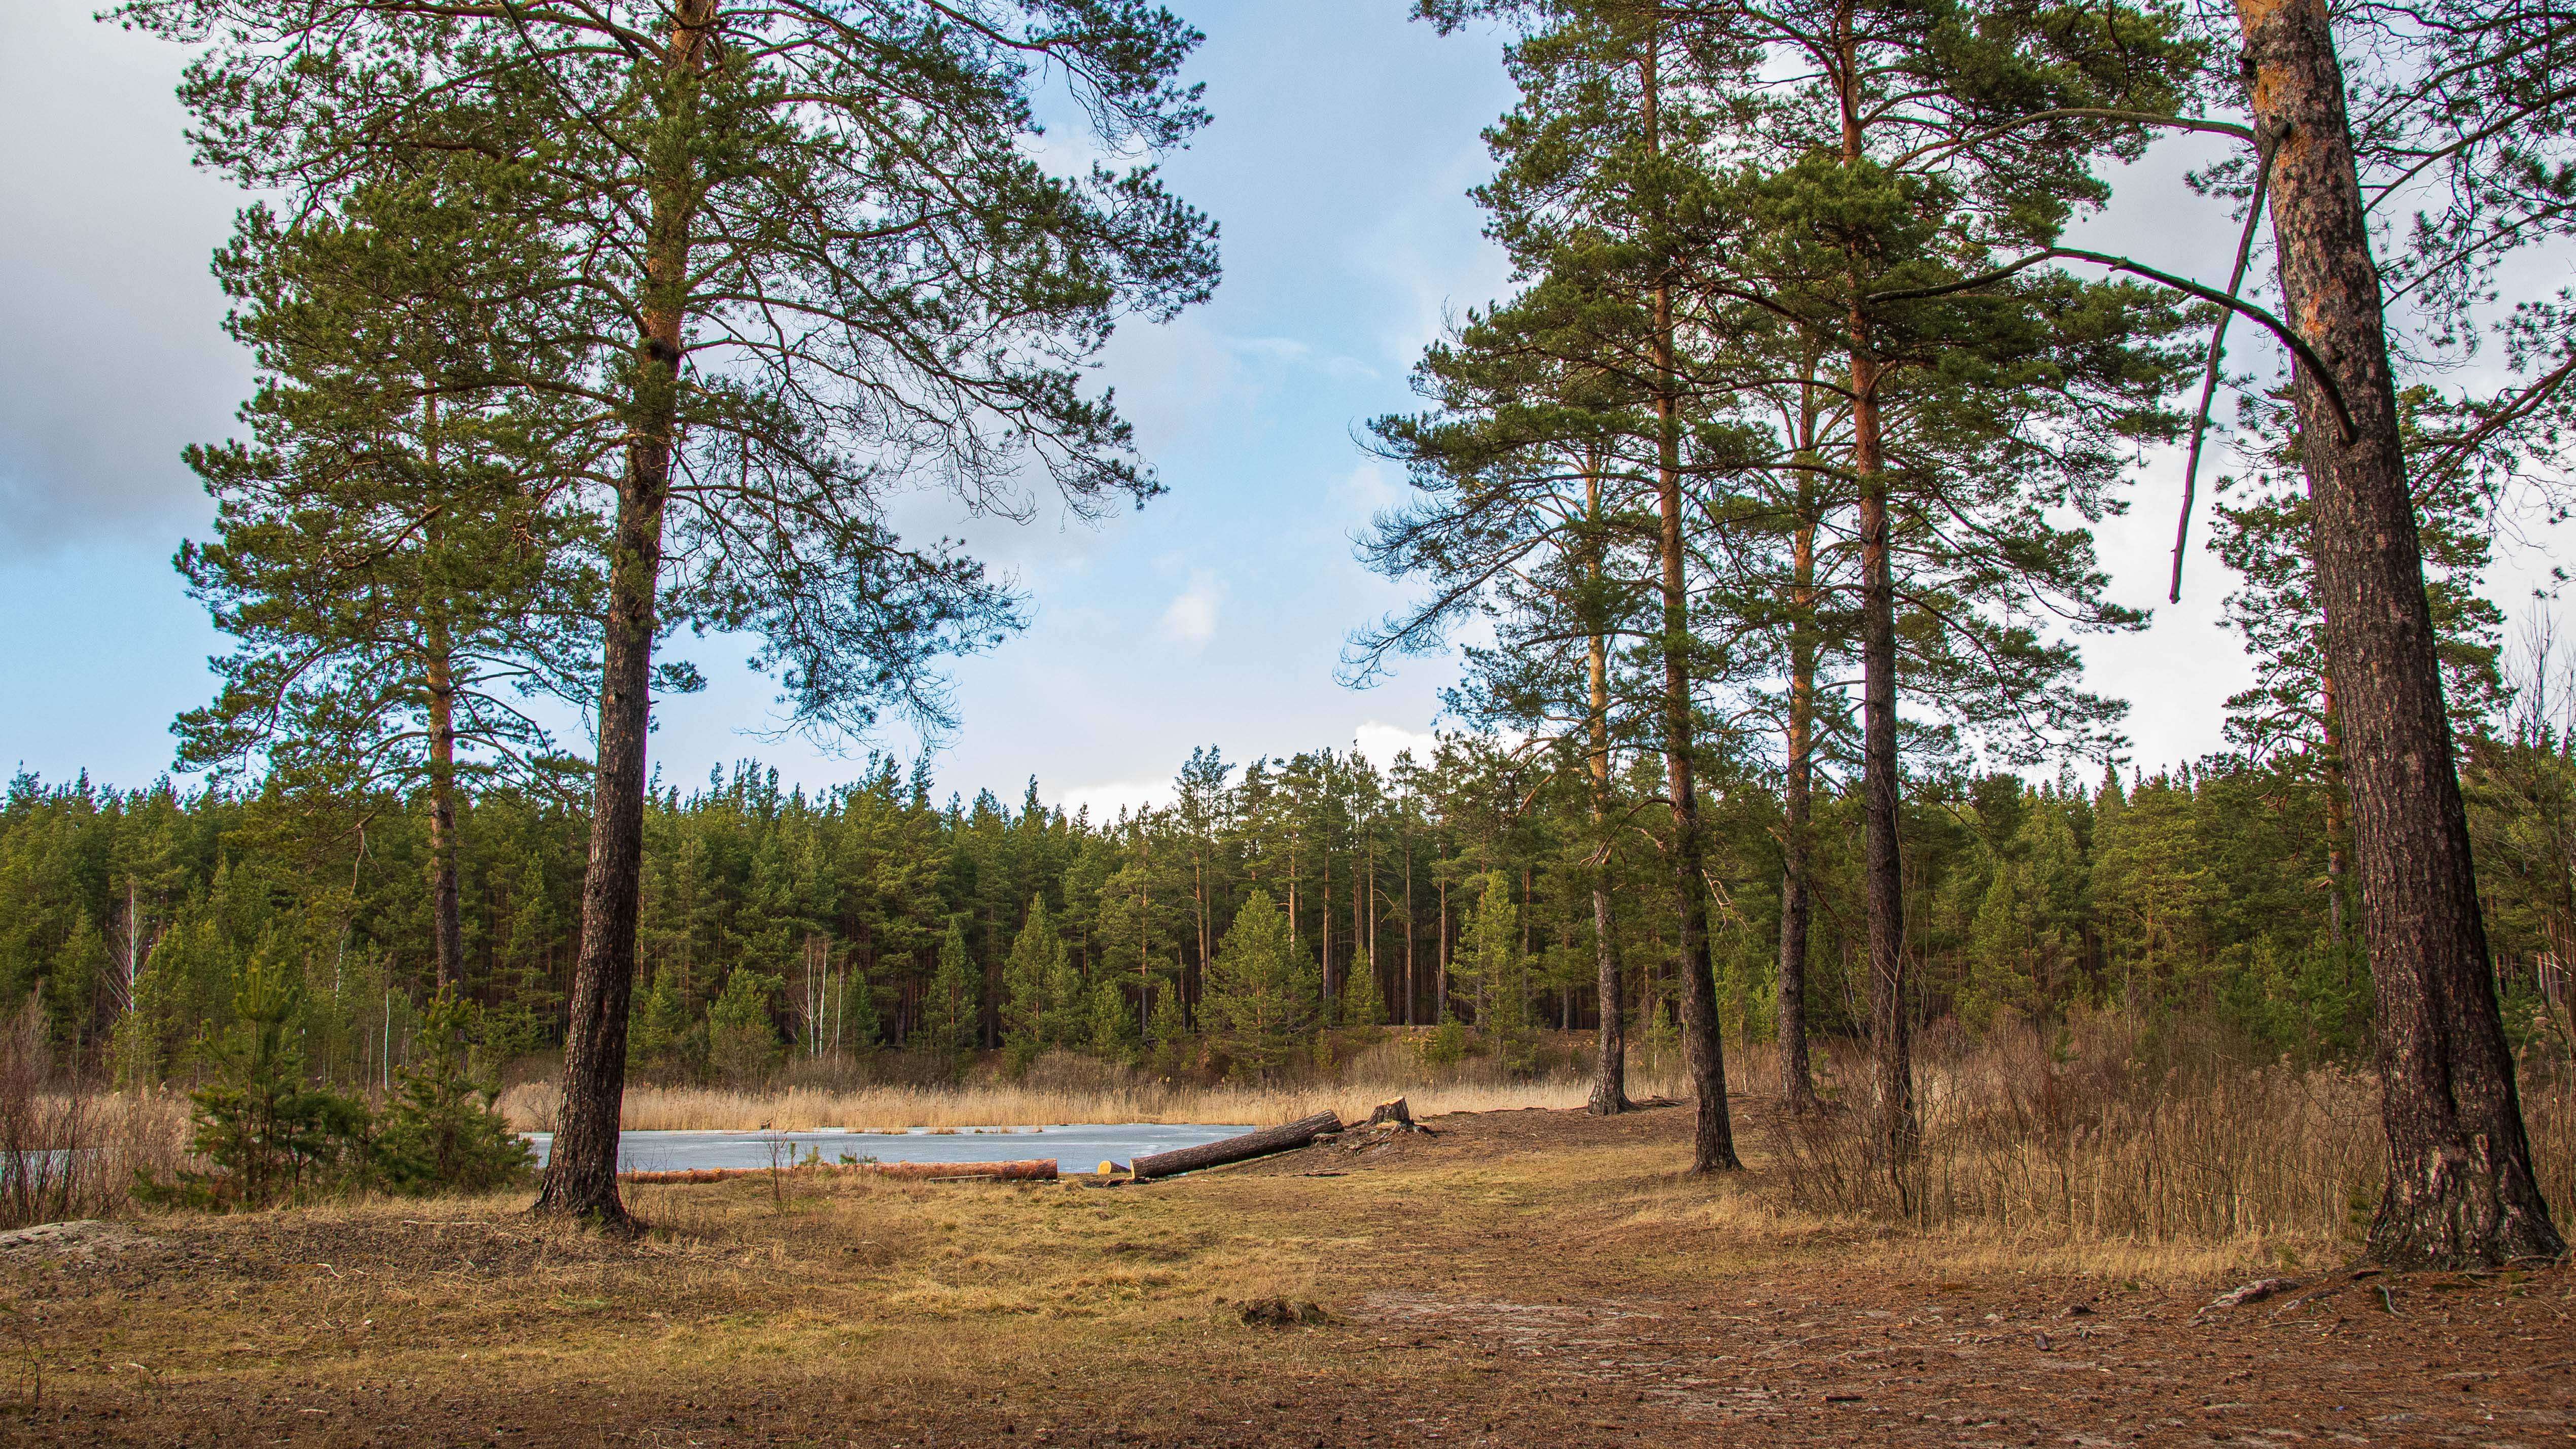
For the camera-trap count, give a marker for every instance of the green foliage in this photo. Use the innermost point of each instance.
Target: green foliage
(658, 1030)
(1169, 1029)
(1444, 1045)
(1042, 998)
(742, 1034)
(1492, 969)
(950, 1017)
(1262, 989)
(268, 1137)
(1110, 1030)
(855, 1013)
(440, 1131)
(534, 153)
(2184, 893)
(1360, 1004)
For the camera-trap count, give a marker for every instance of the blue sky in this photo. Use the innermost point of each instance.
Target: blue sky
(1344, 141)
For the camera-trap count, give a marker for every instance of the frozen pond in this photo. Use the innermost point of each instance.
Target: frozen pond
(1079, 1147)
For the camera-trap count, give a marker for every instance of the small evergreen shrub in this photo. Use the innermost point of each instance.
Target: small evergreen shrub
(268, 1138)
(1444, 1045)
(742, 1039)
(440, 1132)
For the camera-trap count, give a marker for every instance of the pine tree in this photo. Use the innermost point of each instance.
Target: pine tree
(1494, 969)
(742, 1035)
(1041, 997)
(1110, 1028)
(662, 1027)
(1526, 514)
(951, 1017)
(747, 155)
(1169, 1028)
(1263, 990)
(440, 1132)
(266, 1136)
(392, 548)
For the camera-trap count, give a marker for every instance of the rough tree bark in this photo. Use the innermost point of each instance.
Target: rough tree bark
(446, 915)
(581, 1170)
(1713, 1141)
(438, 671)
(1894, 1131)
(1610, 1043)
(1797, 799)
(2460, 1189)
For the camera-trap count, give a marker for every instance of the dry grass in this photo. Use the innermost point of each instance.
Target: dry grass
(1056, 1092)
(1516, 1278)
(2082, 1138)
(66, 1150)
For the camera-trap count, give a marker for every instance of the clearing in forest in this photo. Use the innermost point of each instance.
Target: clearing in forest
(1536, 1277)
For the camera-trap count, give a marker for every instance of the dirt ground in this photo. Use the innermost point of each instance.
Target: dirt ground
(1512, 1278)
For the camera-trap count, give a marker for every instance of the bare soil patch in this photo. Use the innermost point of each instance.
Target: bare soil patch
(1534, 1277)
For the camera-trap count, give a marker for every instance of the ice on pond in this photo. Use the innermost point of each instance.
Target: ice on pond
(1078, 1145)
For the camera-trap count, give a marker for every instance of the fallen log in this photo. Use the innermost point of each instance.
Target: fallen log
(1039, 1169)
(1250, 1145)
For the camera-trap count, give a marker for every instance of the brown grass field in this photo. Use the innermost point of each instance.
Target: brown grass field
(1517, 1277)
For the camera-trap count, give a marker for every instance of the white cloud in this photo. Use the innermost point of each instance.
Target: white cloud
(1191, 619)
(1107, 799)
(1430, 259)
(1282, 349)
(1293, 353)
(1370, 488)
(1382, 742)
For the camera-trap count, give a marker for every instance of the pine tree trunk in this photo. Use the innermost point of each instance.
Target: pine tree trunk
(1704, 1055)
(1440, 982)
(1610, 1038)
(1797, 1081)
(2460, 1189)
(581, 1168)
(1610, 1044)
(1412, 934)
(446, 915)
(1894, 1131)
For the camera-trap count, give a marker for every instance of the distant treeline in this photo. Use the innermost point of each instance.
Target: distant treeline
(1459, 888)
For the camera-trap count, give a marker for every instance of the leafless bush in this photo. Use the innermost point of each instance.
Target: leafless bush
(66, 1149)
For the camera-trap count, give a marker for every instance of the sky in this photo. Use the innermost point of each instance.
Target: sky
(1344, 143)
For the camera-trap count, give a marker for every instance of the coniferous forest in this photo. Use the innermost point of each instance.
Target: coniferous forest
(775, 926)
(1773, 845)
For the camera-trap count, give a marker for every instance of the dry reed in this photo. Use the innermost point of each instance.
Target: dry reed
(67, 1151)
(1058, 1092)
(2079, 1136)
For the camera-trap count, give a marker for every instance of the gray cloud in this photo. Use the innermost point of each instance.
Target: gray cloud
(115, 358)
